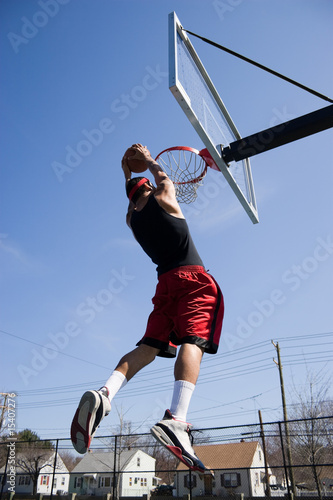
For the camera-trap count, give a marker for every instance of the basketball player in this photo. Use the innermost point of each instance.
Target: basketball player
(188, 312)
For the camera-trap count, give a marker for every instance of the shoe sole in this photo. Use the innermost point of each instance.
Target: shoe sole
(166, 441)
(83, 421)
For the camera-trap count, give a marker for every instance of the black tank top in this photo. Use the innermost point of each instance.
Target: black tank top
(164, 238)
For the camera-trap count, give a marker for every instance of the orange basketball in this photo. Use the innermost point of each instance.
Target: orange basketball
(135, 166)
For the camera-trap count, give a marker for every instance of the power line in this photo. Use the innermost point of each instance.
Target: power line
(54, 350)
(134, 392)
(208, 364)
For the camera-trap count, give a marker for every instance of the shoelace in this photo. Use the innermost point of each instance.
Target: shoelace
(190, 434)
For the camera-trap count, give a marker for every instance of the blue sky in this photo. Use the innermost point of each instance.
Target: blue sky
(80, 82)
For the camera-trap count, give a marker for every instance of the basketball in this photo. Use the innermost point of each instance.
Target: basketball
(135, 166)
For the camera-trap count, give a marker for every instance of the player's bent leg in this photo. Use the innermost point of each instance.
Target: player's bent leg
(93, 407)
(137, 359)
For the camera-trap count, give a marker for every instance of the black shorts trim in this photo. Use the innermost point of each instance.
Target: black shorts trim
(208, 346)
(166, 350)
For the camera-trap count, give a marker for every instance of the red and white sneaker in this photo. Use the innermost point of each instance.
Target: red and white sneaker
(175, 435)
(93, 407)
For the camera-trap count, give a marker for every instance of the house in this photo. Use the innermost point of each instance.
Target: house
(94, 474)
(238, 468)
(34, 474)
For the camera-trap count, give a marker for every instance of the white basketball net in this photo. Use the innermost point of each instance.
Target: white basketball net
(186, 169)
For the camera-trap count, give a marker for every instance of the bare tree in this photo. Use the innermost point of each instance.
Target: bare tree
(32, 460)
(310, 437)
(69, 459)
(32, 455)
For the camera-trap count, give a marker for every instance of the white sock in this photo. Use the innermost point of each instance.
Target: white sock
(182, 393)
(115, 382)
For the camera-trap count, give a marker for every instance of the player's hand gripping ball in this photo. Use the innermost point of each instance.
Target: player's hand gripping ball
(136, 166)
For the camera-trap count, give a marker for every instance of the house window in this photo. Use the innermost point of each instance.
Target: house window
(24, 480)
(230, 480)
(44, 480)
(138, 461)
(77, 482)
(154, 481)
(190, 483)
(63, 479)
(130, 481)
(141, 482)
(104, 482)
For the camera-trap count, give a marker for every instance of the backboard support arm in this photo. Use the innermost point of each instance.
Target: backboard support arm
(281, 134)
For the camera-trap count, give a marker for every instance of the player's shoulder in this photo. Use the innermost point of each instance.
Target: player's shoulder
(168, 201)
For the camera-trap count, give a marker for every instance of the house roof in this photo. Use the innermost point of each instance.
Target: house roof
(103, 461)
(225, 456)
(46, 458)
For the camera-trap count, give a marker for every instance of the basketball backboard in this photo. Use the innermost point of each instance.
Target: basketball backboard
(193, 89)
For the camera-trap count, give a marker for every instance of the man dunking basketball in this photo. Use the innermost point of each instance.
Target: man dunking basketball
(188, 312)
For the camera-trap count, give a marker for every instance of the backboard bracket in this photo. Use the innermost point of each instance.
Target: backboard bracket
(277, 136)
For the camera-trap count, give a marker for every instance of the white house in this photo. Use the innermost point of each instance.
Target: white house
(45, 466)
(94, 474)
(237, 467)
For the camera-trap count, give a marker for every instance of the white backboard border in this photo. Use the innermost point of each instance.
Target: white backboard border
(245, 193)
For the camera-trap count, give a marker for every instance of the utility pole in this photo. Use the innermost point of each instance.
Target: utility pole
(285, 417)
(3, 408)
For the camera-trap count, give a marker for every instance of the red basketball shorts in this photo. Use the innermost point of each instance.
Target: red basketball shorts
(188, 308)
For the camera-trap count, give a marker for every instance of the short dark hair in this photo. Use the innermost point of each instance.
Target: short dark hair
(130, 185)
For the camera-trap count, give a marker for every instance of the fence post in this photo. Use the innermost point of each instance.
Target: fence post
(54, 468)
(190, 477)
(262, 434)
(4, 478)
(114, 469)
(284, 463)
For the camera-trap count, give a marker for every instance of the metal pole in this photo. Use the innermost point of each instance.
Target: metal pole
(114, 469)
(273, 137)
(4, 478)
(268, 489)
(190, 478)
(284, 461)
(54, 468)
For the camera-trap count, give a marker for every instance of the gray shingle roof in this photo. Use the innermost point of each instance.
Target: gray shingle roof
(102, 462)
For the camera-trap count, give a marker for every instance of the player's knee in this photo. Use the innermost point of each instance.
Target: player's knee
(148, 352)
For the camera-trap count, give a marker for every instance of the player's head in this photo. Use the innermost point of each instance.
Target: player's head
(136, 187)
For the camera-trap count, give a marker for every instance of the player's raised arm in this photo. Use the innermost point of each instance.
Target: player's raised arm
(126, 169)
(165, 191)
(142, 154)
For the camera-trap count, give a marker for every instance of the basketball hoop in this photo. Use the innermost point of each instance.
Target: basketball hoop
(186, 167)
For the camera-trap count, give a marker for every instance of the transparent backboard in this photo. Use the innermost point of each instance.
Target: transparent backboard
(193, 89)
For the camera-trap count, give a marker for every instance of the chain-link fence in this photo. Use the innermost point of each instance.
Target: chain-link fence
(293, 459)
